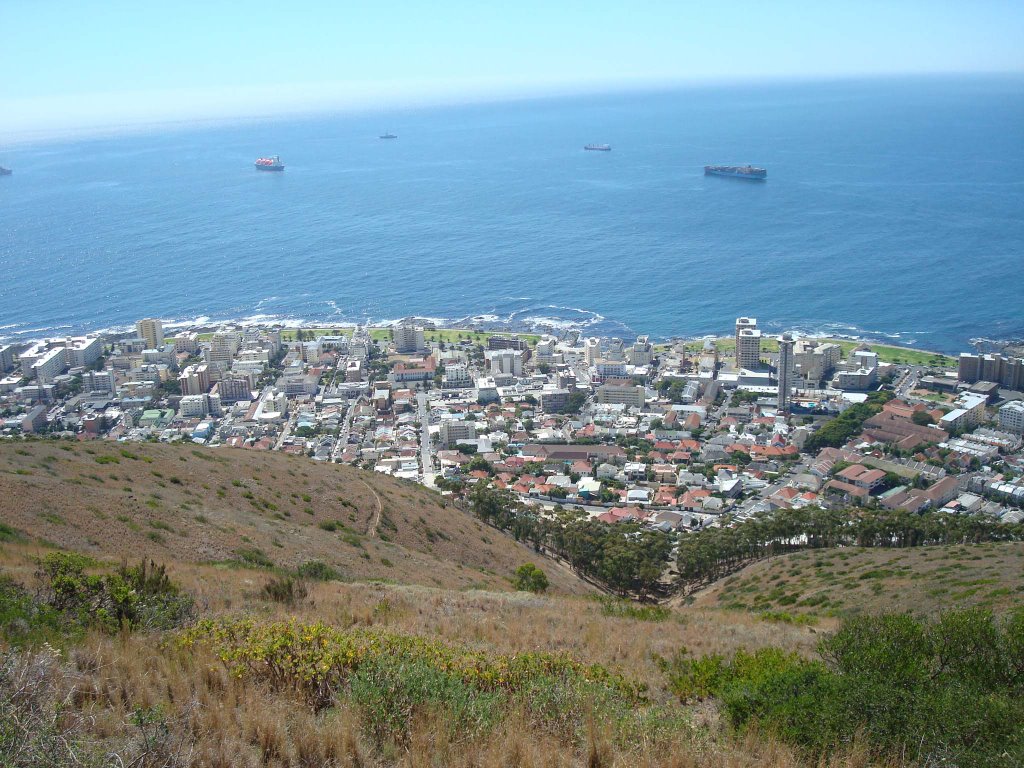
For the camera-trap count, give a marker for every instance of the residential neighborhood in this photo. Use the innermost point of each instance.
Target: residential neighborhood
(674, 436)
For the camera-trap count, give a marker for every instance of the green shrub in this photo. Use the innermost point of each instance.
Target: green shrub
(25, 621)
(530, 578)
(949, 691)
(255, 557)
(70, 600)
(318, 571)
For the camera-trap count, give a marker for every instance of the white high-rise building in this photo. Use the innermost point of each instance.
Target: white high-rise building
(545, 349)
(223, 348)
(786, 369)
(99, 381)
(814, 360)
(152, 330)
(1011, 417)
(748, 343)
(641, 353)
(456, 376)
(408, 339)
(454, 430)
(82, 351)
(51, 363)
(505, 361)
(616, 349)
(627, 394)
(194, 406)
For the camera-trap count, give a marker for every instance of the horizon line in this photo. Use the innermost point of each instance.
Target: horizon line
(497, 94)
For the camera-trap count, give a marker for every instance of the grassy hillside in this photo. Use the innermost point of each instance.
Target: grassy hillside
(564, 676)
(191, 504)
(841, 582)
(420, 655)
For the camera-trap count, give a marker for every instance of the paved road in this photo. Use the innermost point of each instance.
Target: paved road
(426, 449)
(285, 431)
(346, 427)
(908, 381)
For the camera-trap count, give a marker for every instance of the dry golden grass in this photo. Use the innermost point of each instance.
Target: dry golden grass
(495, 621)
(191, 504)
(154, 705)
(921, 580)
(213, 719)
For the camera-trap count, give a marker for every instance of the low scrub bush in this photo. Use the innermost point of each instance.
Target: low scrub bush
(37, 728)
(612, 606)
(285, 589)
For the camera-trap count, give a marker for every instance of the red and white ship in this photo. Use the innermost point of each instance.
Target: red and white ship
(269, 164)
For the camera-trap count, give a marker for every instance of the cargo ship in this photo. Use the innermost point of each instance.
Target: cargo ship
(736, 172)
(388, 135)
(598, 147)
(5, 171)
(269, 164)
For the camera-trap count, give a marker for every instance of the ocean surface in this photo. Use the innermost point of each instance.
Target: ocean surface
(893, 210)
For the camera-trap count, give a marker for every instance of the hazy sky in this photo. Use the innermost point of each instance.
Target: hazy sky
(101, 62)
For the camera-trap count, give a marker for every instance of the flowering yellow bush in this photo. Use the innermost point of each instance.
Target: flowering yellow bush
(318, 661)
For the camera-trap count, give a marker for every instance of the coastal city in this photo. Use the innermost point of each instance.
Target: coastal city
(673, 436)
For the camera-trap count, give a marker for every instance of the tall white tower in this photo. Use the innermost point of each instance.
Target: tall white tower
(748, 343)
(785, 374)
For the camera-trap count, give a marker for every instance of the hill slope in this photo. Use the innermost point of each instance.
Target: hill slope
(839, 582)
(193, 504)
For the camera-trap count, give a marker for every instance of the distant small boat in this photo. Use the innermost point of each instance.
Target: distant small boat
(5, 171)
(389, 136)
(598, 147)
(269, 164)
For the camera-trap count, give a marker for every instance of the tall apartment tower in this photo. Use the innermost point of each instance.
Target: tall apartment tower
(152, 330)
(785, 375)
(748, 343)
(408, 338)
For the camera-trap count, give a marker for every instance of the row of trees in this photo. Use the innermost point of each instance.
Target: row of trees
(625, 557)
(715, 552)
(838, 431)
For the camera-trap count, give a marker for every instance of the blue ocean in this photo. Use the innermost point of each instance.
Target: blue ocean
(893, 210)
